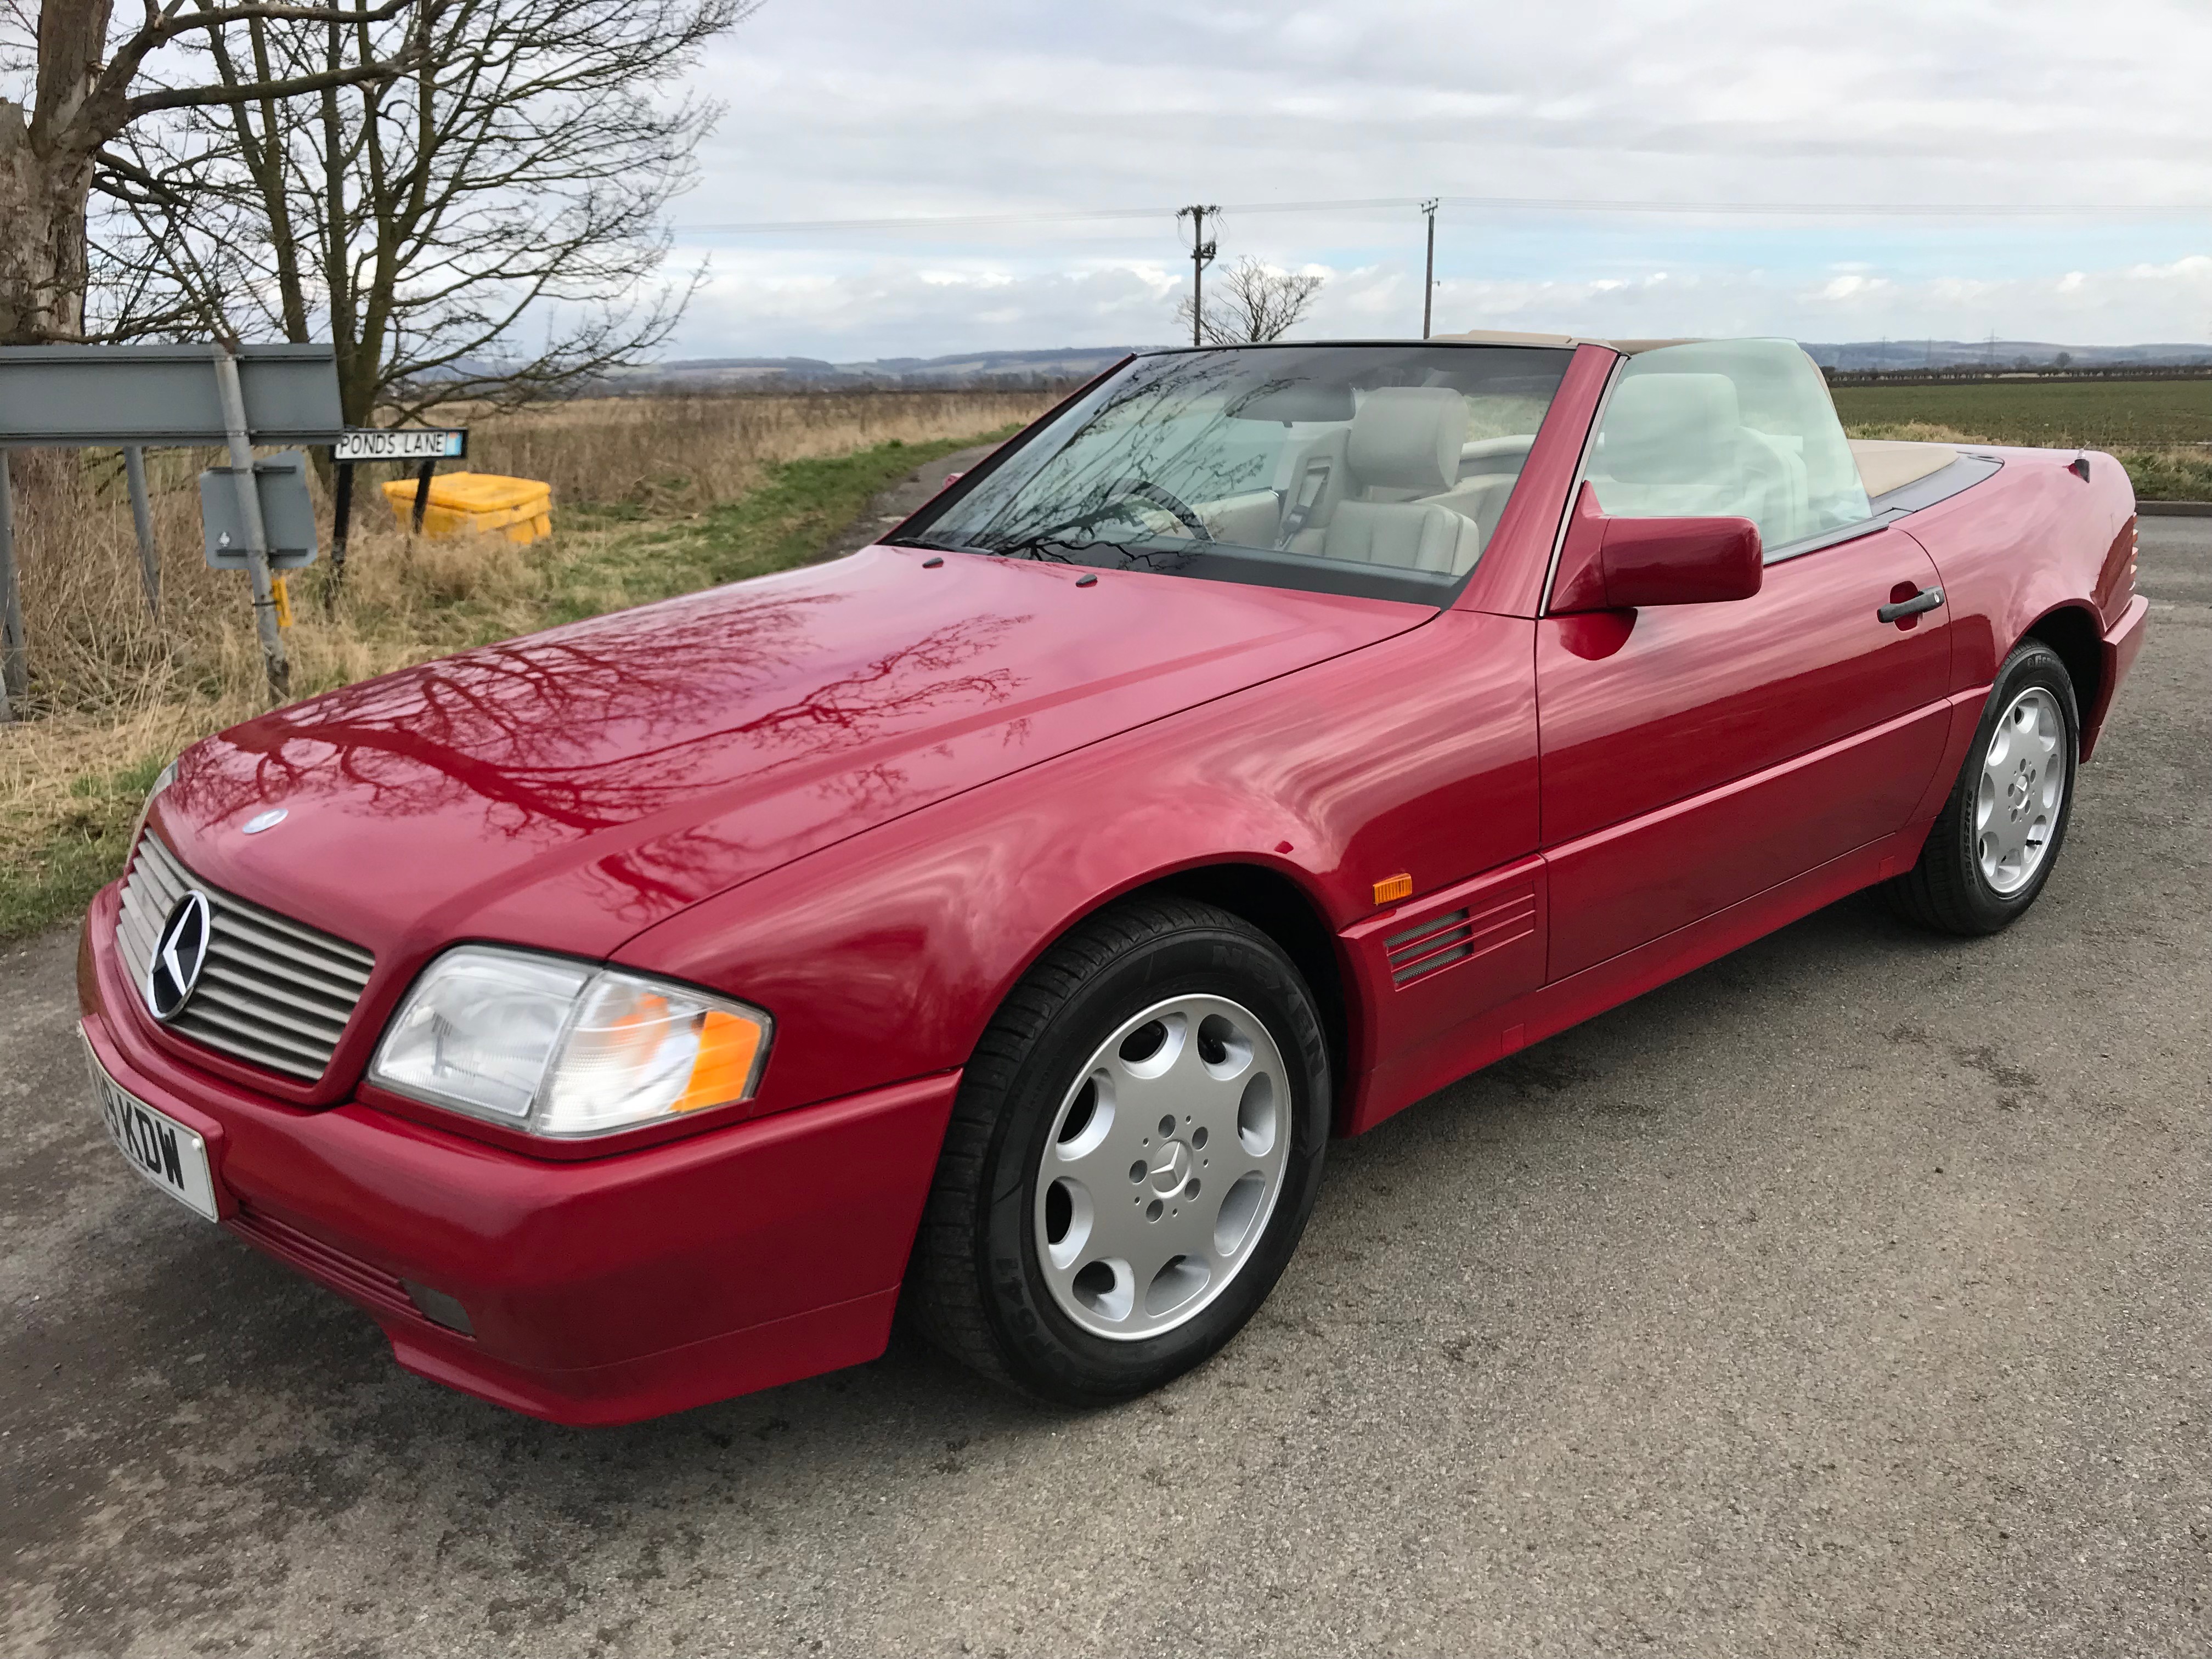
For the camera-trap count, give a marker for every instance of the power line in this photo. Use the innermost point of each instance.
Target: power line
(1535, 204)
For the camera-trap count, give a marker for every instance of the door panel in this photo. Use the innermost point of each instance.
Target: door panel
(1694, 755)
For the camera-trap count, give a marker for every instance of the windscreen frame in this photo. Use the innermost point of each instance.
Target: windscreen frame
(1249, 566)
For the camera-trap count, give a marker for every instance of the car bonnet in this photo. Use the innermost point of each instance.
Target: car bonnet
(573, 787)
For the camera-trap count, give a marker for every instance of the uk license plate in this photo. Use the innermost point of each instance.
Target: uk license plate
(172, 1157)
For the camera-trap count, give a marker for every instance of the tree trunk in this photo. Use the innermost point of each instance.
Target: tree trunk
(46, 161)
(42, 239)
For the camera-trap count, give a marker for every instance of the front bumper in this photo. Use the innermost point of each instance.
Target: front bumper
(600, 1291)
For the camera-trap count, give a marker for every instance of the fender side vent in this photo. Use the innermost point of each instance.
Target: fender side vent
(1438, 942)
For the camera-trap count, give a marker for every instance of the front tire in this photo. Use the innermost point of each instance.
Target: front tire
(1994, 843)
(1133, 1154)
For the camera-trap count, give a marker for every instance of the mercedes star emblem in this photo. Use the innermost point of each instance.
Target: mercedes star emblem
(180, 953)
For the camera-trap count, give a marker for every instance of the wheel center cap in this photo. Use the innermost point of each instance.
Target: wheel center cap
(1171, 1167)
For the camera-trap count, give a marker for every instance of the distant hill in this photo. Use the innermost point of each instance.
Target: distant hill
(965, 368)
(1066, 363)
(1861, 355)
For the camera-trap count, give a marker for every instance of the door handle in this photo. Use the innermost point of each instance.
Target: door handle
(1926, 600)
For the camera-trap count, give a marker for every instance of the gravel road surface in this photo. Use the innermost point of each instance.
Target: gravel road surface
(1851, 1296)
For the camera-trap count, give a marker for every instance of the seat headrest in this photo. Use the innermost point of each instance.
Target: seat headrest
(1670, 428)
(1408, 437)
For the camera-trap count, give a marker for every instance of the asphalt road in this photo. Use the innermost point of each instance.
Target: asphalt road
(1849, 1296)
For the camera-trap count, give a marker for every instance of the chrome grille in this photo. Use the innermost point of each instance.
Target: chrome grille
(273, 993)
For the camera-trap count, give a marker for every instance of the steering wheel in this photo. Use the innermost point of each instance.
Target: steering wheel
(1114, 507)
(1165, 499)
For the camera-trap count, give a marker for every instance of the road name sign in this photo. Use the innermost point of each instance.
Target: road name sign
(449, 444)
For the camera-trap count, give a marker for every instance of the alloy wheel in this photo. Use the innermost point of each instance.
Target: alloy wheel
(2023, 784)
(1162, 1168)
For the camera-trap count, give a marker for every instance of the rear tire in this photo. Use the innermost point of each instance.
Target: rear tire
(1061, 1179)
(1994, 843)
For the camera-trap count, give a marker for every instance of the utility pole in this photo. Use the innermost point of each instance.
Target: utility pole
(1429, 272)
(1201, 255)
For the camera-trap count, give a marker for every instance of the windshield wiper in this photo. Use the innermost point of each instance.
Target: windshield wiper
(1052, 544)
(934, 547)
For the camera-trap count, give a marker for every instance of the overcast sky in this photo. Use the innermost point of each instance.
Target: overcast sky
(843, 109)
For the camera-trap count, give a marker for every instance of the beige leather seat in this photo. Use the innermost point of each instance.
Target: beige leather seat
(1404, 444)
(1677, 444)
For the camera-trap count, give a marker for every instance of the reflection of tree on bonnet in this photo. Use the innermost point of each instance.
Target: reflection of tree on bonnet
(612, 721)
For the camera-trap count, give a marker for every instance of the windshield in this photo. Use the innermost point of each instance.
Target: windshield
(1378, 471)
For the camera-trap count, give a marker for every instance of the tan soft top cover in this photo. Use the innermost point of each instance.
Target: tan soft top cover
(1503, 337)
(1885, 465)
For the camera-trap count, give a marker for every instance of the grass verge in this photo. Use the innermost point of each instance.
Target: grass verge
(67, 804)
(80, 855)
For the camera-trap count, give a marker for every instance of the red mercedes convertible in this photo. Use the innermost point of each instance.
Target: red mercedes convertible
(997, 924)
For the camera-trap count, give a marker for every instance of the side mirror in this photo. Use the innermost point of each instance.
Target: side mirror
(1623, 564)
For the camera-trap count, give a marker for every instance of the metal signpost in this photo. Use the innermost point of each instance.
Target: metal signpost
(249, 514)
(137, 396)
(11, 603)
(142, 519)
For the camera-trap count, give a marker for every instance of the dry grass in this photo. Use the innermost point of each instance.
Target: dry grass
(682, 453)
(1912, 432)
(113, 692)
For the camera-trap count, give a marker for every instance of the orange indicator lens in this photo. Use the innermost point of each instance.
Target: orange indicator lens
(1391, 889)
(727, 1048)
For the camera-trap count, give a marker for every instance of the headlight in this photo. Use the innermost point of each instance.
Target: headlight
(561, 1049)
(162, 780)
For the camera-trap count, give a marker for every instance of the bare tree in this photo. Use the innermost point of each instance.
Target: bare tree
(1251, 303)
(90, 82)
(486, 226)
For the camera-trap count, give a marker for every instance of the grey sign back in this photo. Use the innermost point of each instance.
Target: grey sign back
(66, 395)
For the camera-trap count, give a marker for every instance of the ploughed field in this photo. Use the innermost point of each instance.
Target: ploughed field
(2095, 413)
(2160, 429)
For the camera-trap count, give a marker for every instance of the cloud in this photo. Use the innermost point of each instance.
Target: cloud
(853, 108)
(888, 309)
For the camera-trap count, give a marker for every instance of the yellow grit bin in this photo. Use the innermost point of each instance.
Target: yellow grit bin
(477, 503)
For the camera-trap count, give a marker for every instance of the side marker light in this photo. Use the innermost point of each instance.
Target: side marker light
(1391, 889)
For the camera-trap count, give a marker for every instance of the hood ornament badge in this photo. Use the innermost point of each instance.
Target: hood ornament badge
(268, 820)
(180, 952)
